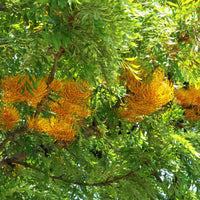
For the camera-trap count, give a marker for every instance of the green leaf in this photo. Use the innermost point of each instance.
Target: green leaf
(29, 88)
(184, 2)
(33, 82)
(172, 4)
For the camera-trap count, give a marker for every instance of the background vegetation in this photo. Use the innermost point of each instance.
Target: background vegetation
(100, 99)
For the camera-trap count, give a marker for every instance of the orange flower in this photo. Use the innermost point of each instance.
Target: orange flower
(55, 127)
(56, 85)
(13, 87)
(66, 110)
(61, 130)
(189, 96)
(161, 91)
(9, 116)
(192, 114)
(39, 124)
(145, 98)
(76, 92)
(38, 94)
(73, 102)
(190, 100)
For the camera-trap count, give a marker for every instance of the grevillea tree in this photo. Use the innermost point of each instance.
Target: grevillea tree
(100, 99)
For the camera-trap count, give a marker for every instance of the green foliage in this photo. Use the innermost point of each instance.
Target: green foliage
(157, 158)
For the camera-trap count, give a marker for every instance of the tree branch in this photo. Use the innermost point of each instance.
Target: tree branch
(12, 135)
(107, 182)
(52, 73)
(115, 179)
(37, 169)
(12, 159)
(49, 80)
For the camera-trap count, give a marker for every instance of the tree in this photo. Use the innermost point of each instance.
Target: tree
(99, 99)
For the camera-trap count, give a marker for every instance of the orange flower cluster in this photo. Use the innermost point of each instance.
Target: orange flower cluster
(55, 127)
(56, 85)
(193, 113)
(70, 107)
(145, 98)
(73, 99)
(9, 116)
(15, 89)
(68, 110)
(190, 100)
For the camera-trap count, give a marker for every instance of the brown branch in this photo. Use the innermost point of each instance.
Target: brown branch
(50, 99)
(51, 51)
(115, 179)
(52, 73)
(104, 183)
(28, 166)
(49, 80)
(107, 182)
(12, 135)
(13, 159)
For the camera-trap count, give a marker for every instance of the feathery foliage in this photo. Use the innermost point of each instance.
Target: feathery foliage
(100, 99)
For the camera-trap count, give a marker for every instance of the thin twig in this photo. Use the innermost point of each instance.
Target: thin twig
(71, 152)
(112, 147)
(52, 99)
(50, 50)
(156, 175)
(41, 171)
(49, 112)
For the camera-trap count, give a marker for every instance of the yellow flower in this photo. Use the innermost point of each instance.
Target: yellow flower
(9, 116)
